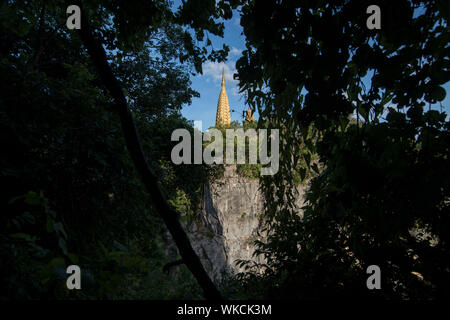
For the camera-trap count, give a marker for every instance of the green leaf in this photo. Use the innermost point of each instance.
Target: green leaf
(58, 261)
(22, 236)
(438, 93)
(32, 198)
(120, 246)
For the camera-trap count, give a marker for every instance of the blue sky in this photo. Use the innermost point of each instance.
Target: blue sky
(208, 84)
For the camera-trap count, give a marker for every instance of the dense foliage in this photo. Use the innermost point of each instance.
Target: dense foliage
(71, 194)
(247, 169)
(383, 195)
(361, 129)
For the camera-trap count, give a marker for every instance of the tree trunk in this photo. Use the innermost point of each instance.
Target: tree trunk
(168, 214)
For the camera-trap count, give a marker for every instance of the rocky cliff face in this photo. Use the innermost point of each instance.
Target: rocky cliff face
(230, 223)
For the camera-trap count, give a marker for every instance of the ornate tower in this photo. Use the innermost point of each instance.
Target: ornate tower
(223, 117)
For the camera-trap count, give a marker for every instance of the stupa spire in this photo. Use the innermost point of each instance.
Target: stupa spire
(223, 117)
(223, 76)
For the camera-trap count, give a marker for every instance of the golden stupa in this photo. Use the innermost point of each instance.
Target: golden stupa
(223, 117)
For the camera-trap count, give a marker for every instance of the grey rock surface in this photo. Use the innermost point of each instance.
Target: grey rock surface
(230, 222)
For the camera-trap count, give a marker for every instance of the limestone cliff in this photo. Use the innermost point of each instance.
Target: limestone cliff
(229, 223)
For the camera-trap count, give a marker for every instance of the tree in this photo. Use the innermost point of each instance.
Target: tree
(86, 197)
(307, 67)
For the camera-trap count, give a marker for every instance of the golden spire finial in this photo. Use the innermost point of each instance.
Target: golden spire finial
(223, 75)
(223, 108)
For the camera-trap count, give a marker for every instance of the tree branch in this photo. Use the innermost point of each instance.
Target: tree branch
(171, 264)
(150, 181)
